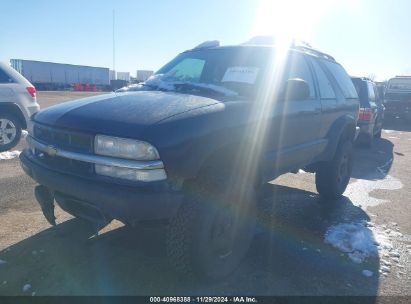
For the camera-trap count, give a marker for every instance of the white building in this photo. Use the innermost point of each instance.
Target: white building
(112, 75)
(143, 75)
(123, 76)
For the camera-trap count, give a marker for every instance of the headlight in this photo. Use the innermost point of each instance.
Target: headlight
(131, 174)
(124, 148)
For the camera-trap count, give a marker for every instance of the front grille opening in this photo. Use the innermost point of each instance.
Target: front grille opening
(64, 164)
(64, 139)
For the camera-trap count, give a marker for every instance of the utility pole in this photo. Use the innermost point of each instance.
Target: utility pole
(114, 44)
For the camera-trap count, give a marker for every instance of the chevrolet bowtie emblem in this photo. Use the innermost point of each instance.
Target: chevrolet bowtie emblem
(51, 151)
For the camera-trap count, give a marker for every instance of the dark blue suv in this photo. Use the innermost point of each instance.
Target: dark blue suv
(191, 146)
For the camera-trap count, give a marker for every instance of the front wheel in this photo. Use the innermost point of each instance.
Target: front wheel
(332, 177)
(10, 131)
(212, 231)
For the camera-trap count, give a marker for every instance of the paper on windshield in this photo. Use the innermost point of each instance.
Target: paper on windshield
(241, 74)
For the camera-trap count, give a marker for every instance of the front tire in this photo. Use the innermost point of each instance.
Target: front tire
(10, 131)
(332, 177)
(213, 229)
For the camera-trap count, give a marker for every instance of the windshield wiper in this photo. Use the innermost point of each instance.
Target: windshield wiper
(204, 87)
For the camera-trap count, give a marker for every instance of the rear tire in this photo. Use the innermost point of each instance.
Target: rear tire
(10, 131)
(213, 228)
(332, 177)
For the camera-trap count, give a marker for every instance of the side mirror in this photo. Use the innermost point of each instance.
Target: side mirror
(296, 89)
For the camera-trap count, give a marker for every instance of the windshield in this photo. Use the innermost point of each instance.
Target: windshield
(227, 72)
(400, 84)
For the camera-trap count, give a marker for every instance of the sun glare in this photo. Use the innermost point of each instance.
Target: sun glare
(288, 20)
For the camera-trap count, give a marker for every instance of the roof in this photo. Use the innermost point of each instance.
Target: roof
(266, 42)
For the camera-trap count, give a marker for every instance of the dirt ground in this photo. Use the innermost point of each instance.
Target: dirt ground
(289, 255)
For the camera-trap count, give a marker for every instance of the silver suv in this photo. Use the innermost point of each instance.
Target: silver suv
(17, 103)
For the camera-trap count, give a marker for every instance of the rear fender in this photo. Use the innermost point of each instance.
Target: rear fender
(342, 129)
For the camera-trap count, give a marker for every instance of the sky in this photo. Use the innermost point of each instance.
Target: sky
(368, 37)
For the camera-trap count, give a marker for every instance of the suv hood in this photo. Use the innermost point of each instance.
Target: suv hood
(125, 114)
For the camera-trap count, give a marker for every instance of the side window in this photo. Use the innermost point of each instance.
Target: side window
(371, 93)
(5, 78)
(189, 69)
(342, 78)
(326, 90)
(298, 68)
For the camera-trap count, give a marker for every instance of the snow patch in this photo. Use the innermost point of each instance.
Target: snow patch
(367, 273)
(168, 82)
(385, 268)
(361, 241)
(359, 191)
(26, 287)
(9, 155)
(355, 239)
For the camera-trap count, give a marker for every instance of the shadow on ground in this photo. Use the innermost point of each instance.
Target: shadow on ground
(397, 124)
(287, 257)
(375, 162)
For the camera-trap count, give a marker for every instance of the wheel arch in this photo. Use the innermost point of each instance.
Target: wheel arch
(343, 128)
(15, 110)
(229, 154)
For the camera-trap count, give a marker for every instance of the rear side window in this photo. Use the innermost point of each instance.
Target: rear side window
(342, 78)
(362, 90)
(326, 90)
(4, 77)
(300, 69)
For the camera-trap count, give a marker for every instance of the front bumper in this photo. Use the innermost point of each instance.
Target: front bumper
(123, 202)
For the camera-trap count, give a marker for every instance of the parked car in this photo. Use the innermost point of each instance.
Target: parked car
(192, 150)
(371, 115)
(397, 99)
(17, 104)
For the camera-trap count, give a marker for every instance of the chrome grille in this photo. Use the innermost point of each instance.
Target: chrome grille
(68, 140)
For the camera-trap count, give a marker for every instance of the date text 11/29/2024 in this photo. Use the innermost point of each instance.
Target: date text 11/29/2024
(203, 300)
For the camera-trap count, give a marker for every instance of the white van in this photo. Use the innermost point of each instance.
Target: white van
(17, 104)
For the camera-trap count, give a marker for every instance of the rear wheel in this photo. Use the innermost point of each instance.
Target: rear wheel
(213, 229)
(332, 177)
(10, 131)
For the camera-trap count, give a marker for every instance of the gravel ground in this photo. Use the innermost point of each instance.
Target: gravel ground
(289, 255)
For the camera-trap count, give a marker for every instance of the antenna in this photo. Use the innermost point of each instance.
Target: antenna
(114, 44)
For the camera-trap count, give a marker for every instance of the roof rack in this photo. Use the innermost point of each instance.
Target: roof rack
(208, 44)
(313, 51)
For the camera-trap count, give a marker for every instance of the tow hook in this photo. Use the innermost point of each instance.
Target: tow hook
(46, 201)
